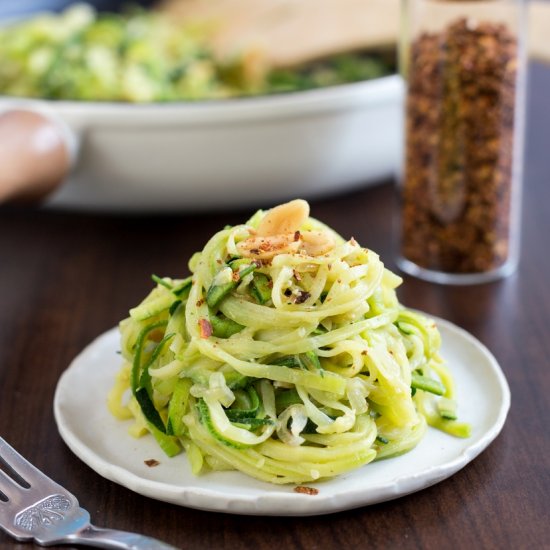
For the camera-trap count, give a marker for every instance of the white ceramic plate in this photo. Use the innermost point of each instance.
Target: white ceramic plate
(104, 444)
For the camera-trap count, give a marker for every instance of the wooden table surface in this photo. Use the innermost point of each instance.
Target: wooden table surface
(66, 277)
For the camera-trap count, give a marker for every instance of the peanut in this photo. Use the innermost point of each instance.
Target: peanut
(264, 248)
(315, 243)
(283, 219)
(278, 233)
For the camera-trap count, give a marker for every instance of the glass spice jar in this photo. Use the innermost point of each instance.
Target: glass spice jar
(464, 66)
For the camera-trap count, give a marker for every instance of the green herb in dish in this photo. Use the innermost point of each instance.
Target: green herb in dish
(146, 57)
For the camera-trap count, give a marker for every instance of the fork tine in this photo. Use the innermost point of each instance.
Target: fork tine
(20, 465)
(49, 514)
(8, 487)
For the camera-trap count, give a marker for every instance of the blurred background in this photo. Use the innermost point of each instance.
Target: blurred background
(14, 9)
(308, 100)
(344, 132)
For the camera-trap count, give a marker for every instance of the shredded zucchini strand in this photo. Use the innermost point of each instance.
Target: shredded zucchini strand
(291, 369)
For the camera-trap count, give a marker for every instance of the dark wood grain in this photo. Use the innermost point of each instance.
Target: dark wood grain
(65, 278)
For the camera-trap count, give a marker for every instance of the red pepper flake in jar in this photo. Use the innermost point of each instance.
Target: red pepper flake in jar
(458, 180)
(151, 462)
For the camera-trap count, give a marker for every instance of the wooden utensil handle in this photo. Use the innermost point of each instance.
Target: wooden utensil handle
(334, 26)
(34, 156)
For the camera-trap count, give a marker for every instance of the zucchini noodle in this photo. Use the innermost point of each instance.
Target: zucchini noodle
(290, 360)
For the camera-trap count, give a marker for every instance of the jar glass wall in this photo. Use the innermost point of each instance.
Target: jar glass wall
(464, 66)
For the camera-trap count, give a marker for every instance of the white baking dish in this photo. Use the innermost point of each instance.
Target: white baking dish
(218, 154)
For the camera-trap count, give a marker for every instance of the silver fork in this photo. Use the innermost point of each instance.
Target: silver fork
(33, 507)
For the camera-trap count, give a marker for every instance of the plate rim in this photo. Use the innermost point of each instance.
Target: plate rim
(269, 503)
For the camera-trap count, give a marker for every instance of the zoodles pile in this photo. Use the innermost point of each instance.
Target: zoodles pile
(286, 355)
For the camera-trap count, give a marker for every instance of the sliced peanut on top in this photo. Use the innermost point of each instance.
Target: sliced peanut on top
(264, 248)
(283, 219)
(278, 233)
(315, 243)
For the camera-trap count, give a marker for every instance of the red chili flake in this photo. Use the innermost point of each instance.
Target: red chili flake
(151, 462)
(200, 302)
(236, 276)
(205, 328)
(297, 236)
(254, 251)
(364, 352)
(302, 297)
(306, 490)
(266, 246)
(156, 335)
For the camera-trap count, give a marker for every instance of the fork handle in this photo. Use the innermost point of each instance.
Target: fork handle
(111, 538)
